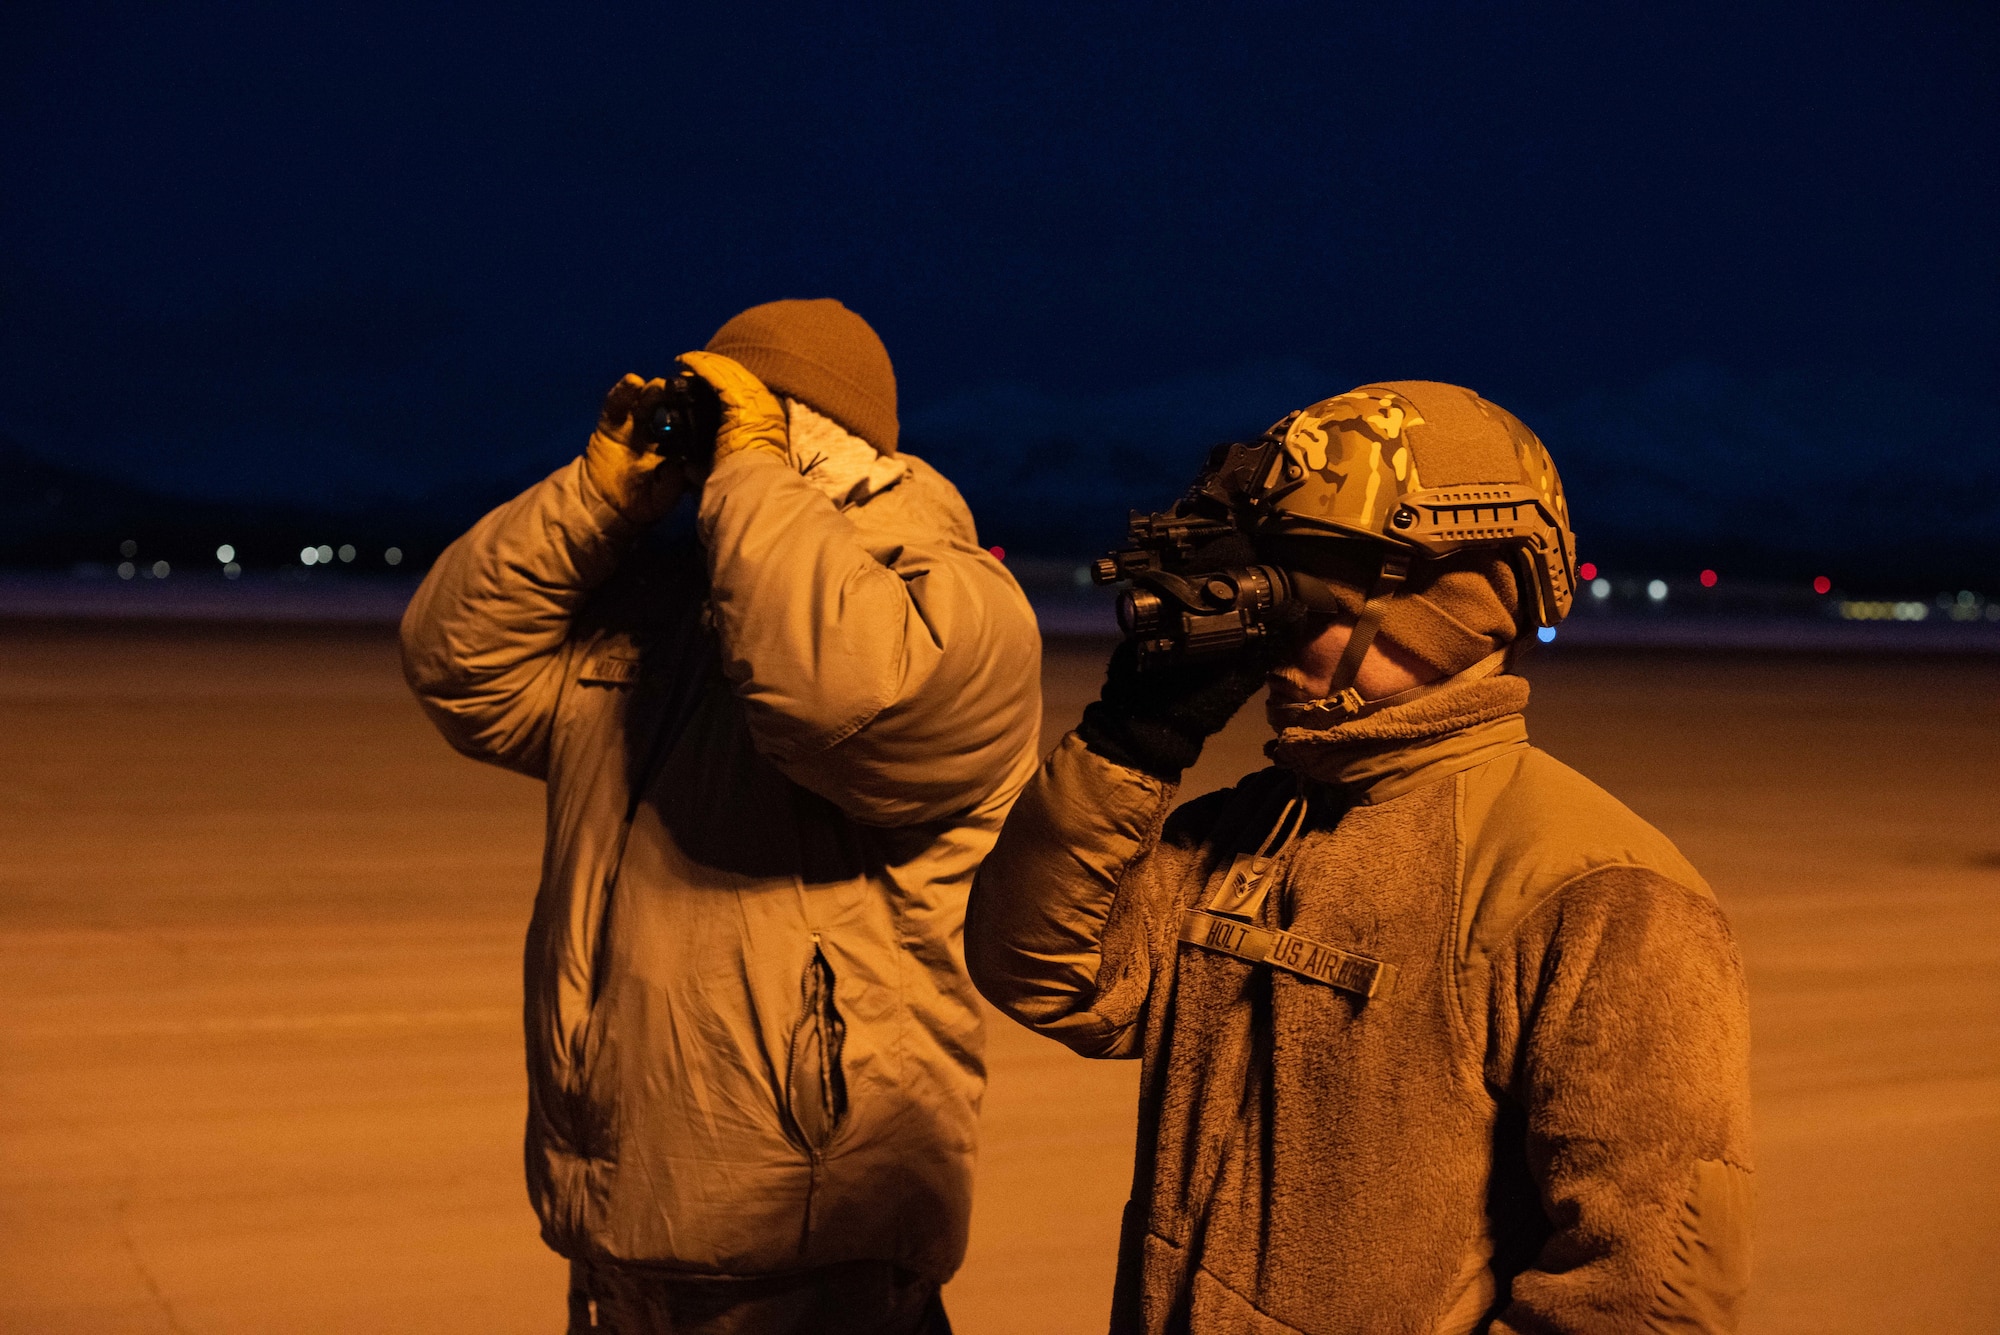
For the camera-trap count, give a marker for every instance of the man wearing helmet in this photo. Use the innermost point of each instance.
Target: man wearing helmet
(1437, 1035)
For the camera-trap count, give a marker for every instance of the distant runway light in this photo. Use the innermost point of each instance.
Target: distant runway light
(161, 570)
(1600, 587)
(1657, 590)
(999, 553)
(1588, 570)
(325, 554)
(232, 570)
(394, 556)
(128, 549)
(1821, 584)
(346, 552)
(1708, 579)
(308, 555)
(1546, 634)
(225, 553)
(126, 570)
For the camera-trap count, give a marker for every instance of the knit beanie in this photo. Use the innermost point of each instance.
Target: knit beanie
(823, 355)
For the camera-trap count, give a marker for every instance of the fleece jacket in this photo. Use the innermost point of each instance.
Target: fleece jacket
(1542, 1124)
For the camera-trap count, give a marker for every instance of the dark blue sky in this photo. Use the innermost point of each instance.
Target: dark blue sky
(324, 251)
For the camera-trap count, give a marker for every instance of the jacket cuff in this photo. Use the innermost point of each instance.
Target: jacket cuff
(611, 521)
(1150, 746)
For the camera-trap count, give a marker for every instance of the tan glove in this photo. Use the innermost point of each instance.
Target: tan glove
(641, 484)
(752, 417)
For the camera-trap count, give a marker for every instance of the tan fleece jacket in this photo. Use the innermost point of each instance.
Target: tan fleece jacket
(752, 1045)
(1543, 1125)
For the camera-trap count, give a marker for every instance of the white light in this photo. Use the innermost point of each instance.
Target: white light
(126, 570)
(1657, 590)
(394, 556)
(225, 553)
(232, 570)
(1546, 634)
(346, 551)
(128, 548)
(308, 555)
(161, 570)
(1600, 587)
(1080, 577)
(325, 554)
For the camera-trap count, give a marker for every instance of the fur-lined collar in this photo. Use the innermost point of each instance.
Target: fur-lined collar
(1379, 756)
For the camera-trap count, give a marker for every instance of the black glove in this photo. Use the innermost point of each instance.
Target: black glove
(1155, 721)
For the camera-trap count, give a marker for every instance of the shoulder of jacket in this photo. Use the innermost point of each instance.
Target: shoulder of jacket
(924, 503)
(1529, 825)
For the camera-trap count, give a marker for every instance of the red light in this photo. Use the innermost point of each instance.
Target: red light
(1821, 584)
(1708, 579)
(1588, 570)
(999, 553)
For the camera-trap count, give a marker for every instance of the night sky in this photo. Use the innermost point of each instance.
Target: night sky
(338, 253)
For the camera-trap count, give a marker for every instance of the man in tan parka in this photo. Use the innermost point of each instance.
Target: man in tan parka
(772, 765)
(1437, 1035)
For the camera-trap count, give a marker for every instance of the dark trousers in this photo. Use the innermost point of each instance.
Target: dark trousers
(853, 1298)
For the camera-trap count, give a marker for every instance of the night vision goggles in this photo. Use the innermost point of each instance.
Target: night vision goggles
(1334, 494)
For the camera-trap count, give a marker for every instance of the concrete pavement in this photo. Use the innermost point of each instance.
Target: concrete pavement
(259, 941)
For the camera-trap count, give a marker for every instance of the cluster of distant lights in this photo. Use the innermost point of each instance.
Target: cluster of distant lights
(1656, 589)
(1965, 605)
(225, 556)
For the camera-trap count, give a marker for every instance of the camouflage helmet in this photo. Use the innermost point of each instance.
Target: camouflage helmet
(1430, 469)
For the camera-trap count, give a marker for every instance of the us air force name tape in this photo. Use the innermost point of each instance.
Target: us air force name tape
(1341, 969)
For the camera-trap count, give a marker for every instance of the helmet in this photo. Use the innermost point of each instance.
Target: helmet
(1419, 470)
(1345, 494)
(1429, 470)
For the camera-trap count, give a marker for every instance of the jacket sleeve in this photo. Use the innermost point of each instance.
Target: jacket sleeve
(484, 639)
(1057, 933)
(1620, 1024)
(900, 683)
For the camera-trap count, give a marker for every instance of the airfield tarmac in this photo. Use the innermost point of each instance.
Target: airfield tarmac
(259, 944)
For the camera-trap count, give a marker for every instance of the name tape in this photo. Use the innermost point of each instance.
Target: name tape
(1342, 969)
(609, 670)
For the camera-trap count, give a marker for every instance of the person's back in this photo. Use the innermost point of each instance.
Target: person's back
(1437, 1035)
(773, 765)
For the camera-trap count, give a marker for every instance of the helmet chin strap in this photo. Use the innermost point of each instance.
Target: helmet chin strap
(1342, 699)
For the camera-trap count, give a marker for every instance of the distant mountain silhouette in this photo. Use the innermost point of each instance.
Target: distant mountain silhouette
(53, 515)
(1873, 482)
(1878, 484)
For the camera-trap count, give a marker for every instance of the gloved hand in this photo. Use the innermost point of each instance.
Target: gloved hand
(752, 417)
(641, 485)
(1156, 721)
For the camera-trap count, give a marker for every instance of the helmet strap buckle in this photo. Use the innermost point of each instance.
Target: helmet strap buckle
(1342, 705)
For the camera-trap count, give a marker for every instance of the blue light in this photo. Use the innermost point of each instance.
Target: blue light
(1545, 634)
